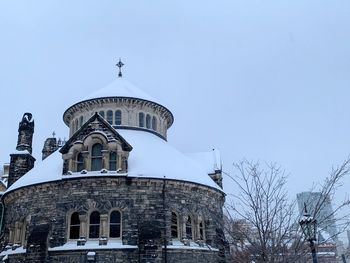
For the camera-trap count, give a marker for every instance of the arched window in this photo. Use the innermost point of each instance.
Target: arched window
(80, 162)
(201, 230)
(189, 227)
(81, 120)
(74, 227)
(102, 113)
(112, 161)
(114, 224)
(110, 117)
(118, 117)
(174, 226)
(148, 121)
(76, 125)
(141, 119)
(96, 157)
(94, 227)
(154, 123)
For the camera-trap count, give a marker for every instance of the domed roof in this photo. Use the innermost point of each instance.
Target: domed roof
(121, 88)
(151, 157)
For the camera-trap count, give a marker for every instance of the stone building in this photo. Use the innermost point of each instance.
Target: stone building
(115, 191)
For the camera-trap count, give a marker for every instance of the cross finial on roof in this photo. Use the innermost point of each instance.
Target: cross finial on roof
(120, 64)
(53, 134)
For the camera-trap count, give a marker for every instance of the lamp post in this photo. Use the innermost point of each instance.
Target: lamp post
(308, 225)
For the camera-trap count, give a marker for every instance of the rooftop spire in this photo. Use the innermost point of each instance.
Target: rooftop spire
(120, 64)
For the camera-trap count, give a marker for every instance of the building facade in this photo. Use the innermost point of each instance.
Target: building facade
(116, 191)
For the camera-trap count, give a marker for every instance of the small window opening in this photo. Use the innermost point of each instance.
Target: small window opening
(96, 157)
(114, 225)
(74, 226)
(113, 161)
(141, 119)
(118, 117)
(94, 228)
(110, 117)
(80, 162)
(154, 123)
(174, 226)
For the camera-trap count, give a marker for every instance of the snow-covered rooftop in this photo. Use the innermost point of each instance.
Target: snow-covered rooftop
(151, 157)
(211, 161)
(121, 88)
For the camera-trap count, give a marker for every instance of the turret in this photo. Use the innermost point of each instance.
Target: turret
(22, 161)
(50, 146)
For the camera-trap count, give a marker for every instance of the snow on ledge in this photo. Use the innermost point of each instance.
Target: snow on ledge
(179, 245)
(19, 250)
(112, 244)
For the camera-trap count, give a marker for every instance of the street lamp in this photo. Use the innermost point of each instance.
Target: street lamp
(308, 225)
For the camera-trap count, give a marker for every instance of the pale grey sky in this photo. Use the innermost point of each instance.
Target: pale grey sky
(265, 80)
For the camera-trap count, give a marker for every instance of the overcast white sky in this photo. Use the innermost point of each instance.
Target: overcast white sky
(263, 80)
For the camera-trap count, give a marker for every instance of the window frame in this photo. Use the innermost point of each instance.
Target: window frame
(141, 120)
(109, 117)
(70, 225)
(94, 225)
(172, 225)
(187, 227)
(120, 223)
(154, 123)
(95, 158)
(148, 121)
(113, 161)
(118, 118)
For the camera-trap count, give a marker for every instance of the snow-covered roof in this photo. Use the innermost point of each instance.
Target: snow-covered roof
(121, 88)
(151, 157)
(211, 161)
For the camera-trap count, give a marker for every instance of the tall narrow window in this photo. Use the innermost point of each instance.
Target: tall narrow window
(76, 125)
(102, 113)
(114, 224)
(118, 117)
(74, 227)
(94, 228)
(141, 119)
(189, 228)
(148, 121)
(201, 230)
(81, 120)
(154, 123)
(80, 162)
(110, 117)
(112, 161)
(174, 226)
(96, 157)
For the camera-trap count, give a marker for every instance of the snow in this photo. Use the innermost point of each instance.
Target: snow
(121, 88)
(92, 244)
(151, 157)
(19, 250)
(211, 161)
(20, 152)
(179, 245)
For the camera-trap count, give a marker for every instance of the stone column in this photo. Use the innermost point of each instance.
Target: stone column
(11, 234)
(105, 159)
(104, 225)
(18, 227)
(83, 226)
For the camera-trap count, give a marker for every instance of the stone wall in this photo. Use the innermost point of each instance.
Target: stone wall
(140, 200)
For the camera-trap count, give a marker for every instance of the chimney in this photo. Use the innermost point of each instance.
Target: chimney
(22, 160)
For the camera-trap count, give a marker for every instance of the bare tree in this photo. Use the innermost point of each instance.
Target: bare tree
(262, 221)
(263, 205)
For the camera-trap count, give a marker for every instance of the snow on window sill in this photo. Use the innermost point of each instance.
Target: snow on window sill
(112, 244)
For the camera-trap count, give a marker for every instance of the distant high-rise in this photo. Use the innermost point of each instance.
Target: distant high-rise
(320, 208)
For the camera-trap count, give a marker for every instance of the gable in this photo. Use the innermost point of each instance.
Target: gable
(96, 125)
